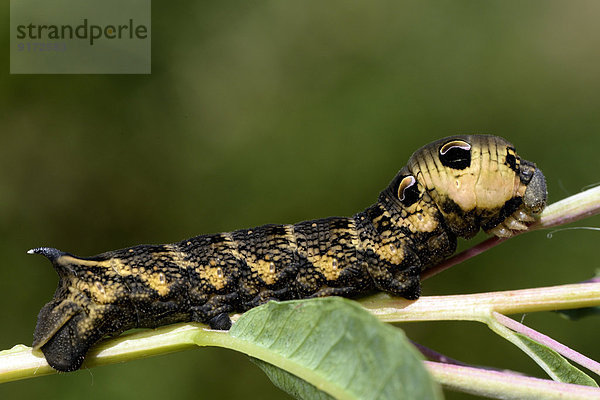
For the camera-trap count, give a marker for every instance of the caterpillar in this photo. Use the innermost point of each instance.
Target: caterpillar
(450, 188)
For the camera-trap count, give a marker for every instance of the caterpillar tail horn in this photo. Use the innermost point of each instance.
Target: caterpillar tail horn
(50, 253)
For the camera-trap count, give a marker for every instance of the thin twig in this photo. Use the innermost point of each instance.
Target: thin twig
(490, 383)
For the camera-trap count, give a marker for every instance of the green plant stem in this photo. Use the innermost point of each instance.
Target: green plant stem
(22, 362)
(573, 208)
(478, 307)
(26, 364)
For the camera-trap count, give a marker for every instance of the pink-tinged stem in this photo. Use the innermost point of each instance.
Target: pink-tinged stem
(435, 356)
(477, 307)
(571, 209)
(492, 383)
(549, 342)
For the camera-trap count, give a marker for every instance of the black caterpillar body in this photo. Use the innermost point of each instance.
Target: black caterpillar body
(452, 187)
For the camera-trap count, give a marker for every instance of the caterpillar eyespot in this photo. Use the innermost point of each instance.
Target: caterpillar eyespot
(407, 190)
(456, 154)
(450, 188)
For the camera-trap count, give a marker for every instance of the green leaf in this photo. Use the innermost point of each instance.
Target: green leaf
(557, 364)
(332, 347)
(290, 383)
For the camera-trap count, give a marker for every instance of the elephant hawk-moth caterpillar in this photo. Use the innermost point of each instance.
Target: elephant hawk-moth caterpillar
(452, 187)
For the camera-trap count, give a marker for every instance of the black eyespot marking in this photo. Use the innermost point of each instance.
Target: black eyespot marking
(408, 193)
(456, 154)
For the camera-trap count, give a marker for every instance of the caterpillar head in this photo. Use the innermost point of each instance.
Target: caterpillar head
(476, 181)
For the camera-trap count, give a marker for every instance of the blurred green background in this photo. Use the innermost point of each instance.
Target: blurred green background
(275, 112)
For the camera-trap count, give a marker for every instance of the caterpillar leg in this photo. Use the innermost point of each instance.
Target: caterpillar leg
(215, 311)
(405, 283)
(349, 291)
(221, 322)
